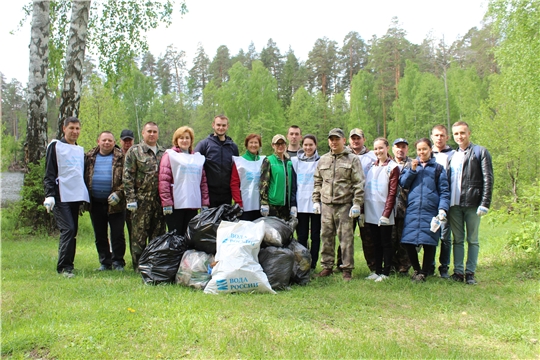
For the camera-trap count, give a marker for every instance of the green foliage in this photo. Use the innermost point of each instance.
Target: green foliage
(365, 105)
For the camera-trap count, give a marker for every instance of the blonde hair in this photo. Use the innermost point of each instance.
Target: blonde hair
(179, 132)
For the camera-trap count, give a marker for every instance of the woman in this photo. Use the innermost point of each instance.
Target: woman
(277, 188)
(380, 198)
(429, 197)
(245, 175)
(182, 181)
(304, 165)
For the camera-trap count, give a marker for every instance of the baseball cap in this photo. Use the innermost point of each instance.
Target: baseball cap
(278, 137)
(336, 132)
(127, 134)
(400, 140)
(356, 131)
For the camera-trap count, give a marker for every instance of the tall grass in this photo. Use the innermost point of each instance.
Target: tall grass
(112, 315)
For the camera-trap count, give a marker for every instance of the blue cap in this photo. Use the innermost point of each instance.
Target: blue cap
(400, 140)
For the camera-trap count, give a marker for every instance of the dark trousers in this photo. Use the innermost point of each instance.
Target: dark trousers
(427, 262)
(179, 220)
(251, 215)
(400, 258)
(368, 247)
(382, 238)
(220, 199)
(113, 253)
(303, 230)
(67, 221)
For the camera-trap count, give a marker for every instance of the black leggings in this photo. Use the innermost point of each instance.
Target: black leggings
(427, 262)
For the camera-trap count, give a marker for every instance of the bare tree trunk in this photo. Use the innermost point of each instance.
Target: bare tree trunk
(71, 91)
(36, 128)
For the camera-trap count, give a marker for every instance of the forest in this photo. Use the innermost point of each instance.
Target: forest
(387, 85)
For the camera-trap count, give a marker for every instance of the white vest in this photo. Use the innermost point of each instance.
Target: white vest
(187, 174)
(376, 192)
(304, 184)
(367, 160)
(70, 180)
(249, 173)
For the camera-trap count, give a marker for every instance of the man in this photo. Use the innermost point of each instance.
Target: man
(357, 146)
(443, 153)
(65, 190)
(471, 186)
(126, 142)
(126, 139)
(339, 186)
(294, 136)
(104, 167)
(400, 261)
(218, 149)
(140, 179)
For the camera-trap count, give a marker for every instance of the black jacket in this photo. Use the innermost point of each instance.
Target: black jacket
(218, 167)
(51, 171)
(476, 178)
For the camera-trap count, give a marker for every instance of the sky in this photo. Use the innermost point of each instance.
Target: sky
(294, 23)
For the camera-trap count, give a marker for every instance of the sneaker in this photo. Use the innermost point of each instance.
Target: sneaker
(68, 274)
(457, 277)
(381, 278)
(443, 270)
(118, 267)
(347, 276)
(325, 273)
(104, 268)
(469, 279)
(372, 276)
(418, 277)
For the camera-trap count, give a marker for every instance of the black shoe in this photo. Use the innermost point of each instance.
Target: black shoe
(443, 270)
(403, 273)
(118, 267)
(457, 277)
(104, 268)
(469, 279)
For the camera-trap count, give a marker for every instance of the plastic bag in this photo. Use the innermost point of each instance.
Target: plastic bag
(277, 232)
(195, 270)
(237, 269)
(201, 230)
(302, 263)
(277, 264)
(160, 259)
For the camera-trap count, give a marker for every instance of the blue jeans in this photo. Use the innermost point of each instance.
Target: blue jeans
(461, 218)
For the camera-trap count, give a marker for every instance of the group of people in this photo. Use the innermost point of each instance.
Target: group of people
(399, 204)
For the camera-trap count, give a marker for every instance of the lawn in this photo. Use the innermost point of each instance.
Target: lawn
(113, 315)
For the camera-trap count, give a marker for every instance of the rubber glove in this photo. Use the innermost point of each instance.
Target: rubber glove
(113, 199)
(167, 210)
(384, 221)
(132, 206)
(482, 210)
(355, 211)
(204, 208)
(294, 211)
(317, 208)
(49, 203)
(265, 210)
(442, 215)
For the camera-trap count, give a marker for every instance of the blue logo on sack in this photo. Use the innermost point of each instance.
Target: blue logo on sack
(222, 285)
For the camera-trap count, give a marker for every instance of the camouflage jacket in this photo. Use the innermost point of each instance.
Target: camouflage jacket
(339, 179)
(403, 194)
(141, 170)
(117, 173)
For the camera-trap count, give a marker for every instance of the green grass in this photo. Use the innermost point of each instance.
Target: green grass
(113, 315)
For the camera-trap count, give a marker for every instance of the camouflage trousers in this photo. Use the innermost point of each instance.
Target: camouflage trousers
(400, 258)
(282, 212)
(335, 220)
(148, 222)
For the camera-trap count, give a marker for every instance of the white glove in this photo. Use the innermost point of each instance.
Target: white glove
(132, 206)
(384, 221)
(442, 215)
(294, 211)
(49, 203)
(317, 208)
(204, 208)
(355, 211)
(482, 210)
(167, 210)
(113, 199)
(265, 210)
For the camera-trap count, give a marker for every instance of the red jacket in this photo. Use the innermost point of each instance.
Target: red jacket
(166, 181)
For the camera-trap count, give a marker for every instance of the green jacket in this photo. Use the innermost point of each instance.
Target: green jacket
(141, 169)
(276, 185)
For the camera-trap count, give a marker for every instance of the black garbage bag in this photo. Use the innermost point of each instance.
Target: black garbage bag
(277, 232)
(302, 263)
(160, 260)
(202, 229)
(277, 264)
